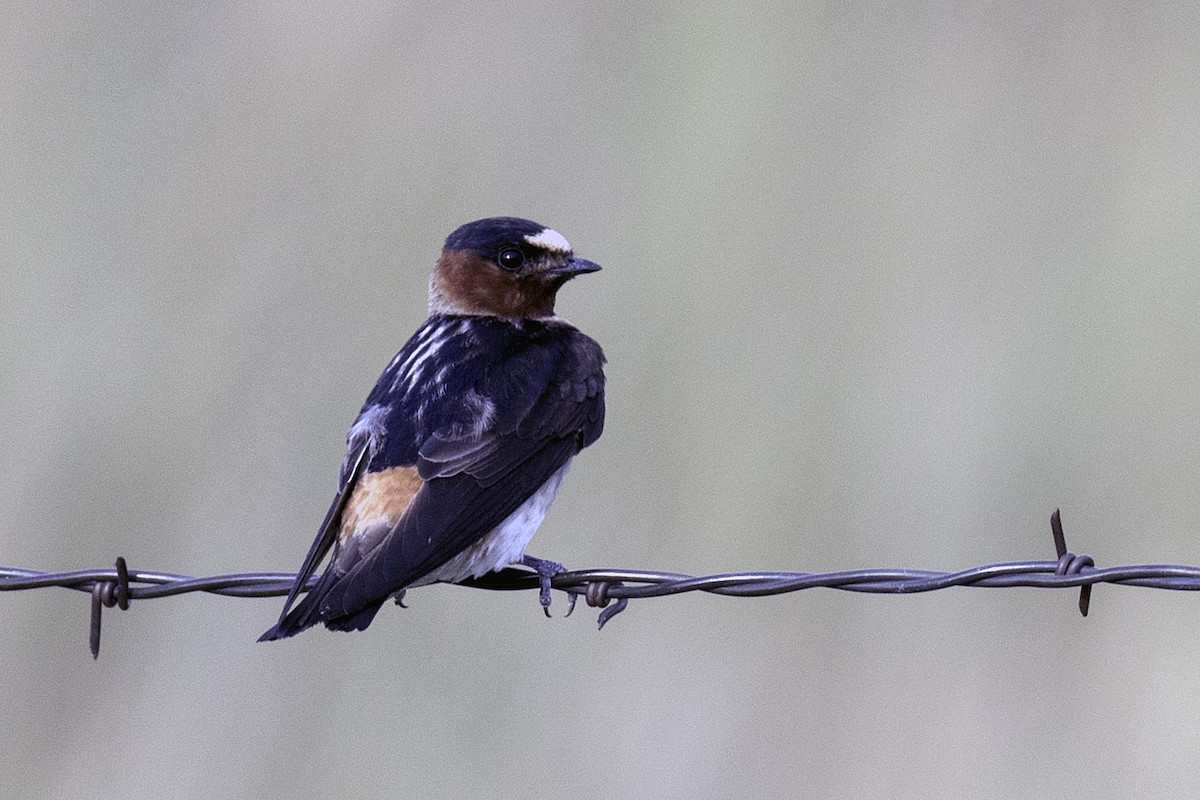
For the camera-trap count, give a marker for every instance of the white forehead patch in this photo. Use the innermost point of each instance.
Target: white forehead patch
(549, 239)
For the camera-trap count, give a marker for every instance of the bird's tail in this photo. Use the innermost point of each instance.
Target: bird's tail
(308, 613)
(302, 617)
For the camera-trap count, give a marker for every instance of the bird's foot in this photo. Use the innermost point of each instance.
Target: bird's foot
(546, 570)
(398, 597)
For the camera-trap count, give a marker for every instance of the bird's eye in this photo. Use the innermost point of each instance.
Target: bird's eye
(510, 258)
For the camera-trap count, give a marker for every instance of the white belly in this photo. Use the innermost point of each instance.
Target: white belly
(506, 543)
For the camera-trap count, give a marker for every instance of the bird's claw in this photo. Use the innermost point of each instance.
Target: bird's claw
(546, 571)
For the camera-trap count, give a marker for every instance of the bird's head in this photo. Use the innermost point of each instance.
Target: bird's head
(505, 267)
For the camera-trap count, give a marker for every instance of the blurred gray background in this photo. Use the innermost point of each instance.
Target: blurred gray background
(884, 285)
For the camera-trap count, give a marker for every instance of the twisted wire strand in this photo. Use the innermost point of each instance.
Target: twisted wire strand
(629, 583)
(599, 587)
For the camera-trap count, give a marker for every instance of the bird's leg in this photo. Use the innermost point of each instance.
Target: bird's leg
(547, 570)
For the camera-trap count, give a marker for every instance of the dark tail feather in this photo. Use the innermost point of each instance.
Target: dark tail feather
(358, 621)
(303, 616)
(308, 613)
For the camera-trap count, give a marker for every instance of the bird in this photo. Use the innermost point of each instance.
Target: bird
(462, 445)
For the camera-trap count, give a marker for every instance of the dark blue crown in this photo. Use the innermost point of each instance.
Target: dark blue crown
(485, 235)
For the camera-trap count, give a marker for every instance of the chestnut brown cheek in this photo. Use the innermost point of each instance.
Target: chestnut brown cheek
(477, 286)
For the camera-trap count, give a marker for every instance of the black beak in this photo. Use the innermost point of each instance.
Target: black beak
(575, 266)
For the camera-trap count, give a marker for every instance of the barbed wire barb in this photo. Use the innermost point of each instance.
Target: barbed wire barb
(119, 586)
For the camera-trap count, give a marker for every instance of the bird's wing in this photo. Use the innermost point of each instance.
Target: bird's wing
(357, 454)
(543, 407)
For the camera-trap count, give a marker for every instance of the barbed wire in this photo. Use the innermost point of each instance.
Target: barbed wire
(118, 586)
